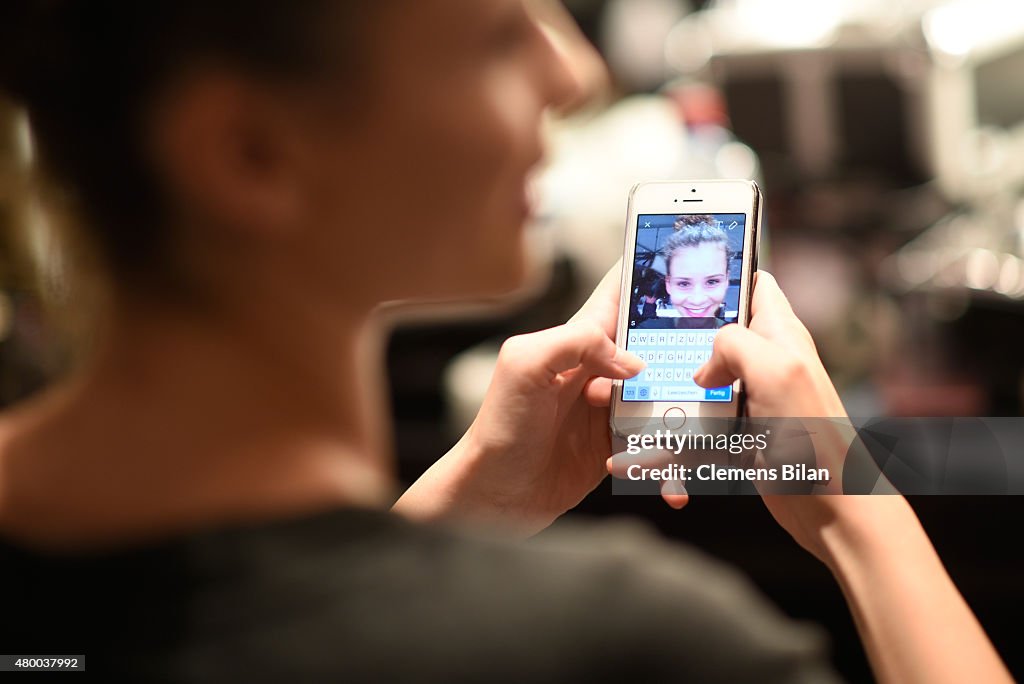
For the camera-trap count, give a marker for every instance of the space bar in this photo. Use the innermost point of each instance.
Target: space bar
(683, 393)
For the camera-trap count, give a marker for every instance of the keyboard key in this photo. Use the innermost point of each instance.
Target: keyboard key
(718, 394)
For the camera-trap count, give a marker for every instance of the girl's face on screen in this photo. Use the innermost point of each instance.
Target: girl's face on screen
(697, 279)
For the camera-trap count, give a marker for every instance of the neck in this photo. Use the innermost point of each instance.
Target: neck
(192, 416)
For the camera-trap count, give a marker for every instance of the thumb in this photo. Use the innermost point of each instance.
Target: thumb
(538, 358)
(738, 353)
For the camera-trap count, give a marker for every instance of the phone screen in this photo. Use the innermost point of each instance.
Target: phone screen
(685, 286)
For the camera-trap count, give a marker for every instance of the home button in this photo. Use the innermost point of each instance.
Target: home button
(674, 418)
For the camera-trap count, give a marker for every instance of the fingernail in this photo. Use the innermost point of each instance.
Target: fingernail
(697, 374)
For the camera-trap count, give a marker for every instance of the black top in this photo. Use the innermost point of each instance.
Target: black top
(357, 595)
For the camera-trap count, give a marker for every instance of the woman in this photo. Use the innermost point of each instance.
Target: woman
(696, 274)
(205, 497)
(697, 269)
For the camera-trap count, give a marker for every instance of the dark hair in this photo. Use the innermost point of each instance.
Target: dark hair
(87, 71)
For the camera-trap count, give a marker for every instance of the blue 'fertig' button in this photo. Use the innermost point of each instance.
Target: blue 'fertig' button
(718, 394)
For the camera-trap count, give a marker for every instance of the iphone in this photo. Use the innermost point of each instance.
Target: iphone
(688, 266)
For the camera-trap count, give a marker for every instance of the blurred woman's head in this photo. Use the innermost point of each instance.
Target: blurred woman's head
(337, 144)
(697, 261)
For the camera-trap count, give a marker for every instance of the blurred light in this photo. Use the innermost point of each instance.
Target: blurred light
(957, 28)
(1009, 276)
(688, 47)
(635, 35)
(790, 22)
(466, 380)
(23, 148)
(985, 151)
(636, 133)
(1018, 225)
(736, 160)
(981, 270)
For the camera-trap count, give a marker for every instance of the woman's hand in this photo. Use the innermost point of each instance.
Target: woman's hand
(915, 625)
(783, 377)
(776, 359)
(540, 441)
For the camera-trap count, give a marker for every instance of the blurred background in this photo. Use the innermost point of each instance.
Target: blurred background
(888, 137)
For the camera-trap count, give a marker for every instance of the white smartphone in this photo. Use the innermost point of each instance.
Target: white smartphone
(688, 265)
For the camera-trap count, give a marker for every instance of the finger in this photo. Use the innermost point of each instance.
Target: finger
(652, 459)
(539, 358)
(602, 307)
(773, 316)
(674, 493)
(768, 297)
(676, 501)
(598, 392)
(737, 353)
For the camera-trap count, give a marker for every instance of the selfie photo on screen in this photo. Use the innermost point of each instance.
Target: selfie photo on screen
(686, 271)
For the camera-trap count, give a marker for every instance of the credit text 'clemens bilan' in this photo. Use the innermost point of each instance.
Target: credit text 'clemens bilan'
(667, 441)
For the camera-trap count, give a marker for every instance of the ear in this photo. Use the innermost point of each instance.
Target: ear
(230, 155)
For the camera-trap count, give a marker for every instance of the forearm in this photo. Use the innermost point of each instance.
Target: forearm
(437, 494)
(452, 490)
(915, 625)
